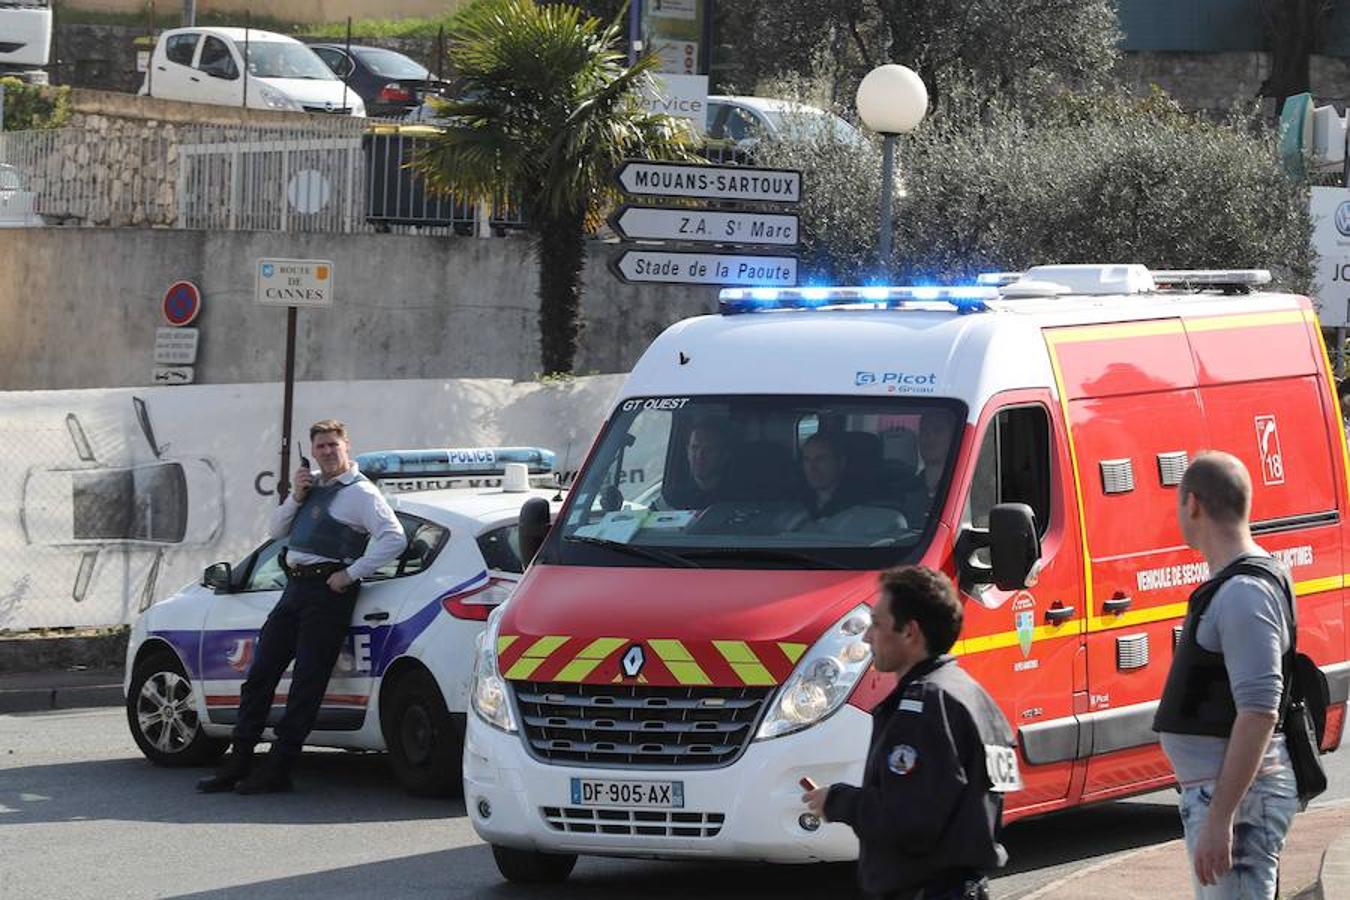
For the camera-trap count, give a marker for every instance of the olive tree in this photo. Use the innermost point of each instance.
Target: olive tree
(1087, 179)
(1013, 49)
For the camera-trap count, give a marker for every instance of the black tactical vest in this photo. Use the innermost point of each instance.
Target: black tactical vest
(1197, 698)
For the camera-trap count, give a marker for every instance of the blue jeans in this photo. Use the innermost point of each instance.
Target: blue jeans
(1259, 829)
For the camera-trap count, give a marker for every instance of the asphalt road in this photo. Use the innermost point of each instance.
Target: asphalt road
(82, 814)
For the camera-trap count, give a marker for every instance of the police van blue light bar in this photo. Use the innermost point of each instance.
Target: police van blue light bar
(481, 461)
(964, 299)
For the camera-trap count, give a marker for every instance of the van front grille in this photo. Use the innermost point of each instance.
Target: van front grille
(629, 822)
(638, 725)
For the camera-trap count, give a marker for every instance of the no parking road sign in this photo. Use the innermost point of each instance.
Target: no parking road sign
(182, 302)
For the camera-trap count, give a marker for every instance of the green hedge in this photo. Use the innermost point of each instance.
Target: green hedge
(28, 107)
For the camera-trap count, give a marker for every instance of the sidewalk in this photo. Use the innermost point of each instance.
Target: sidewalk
(34, 691)
(1162, 870)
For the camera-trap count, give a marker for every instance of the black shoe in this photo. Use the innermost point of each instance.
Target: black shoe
(272, 777)
(235, 767)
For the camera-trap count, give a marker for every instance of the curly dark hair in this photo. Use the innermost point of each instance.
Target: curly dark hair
(926, 596)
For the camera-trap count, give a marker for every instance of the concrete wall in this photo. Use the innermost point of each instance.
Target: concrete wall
(1218, 81)
(79, 308)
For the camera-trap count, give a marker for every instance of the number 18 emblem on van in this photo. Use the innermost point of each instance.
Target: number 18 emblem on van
(1268, 442)
(1024, 620)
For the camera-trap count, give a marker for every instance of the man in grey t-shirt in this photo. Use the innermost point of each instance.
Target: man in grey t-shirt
(1222, 700)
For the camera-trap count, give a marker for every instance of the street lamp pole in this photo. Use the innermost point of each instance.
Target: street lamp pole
(892, 100)
(887, 196)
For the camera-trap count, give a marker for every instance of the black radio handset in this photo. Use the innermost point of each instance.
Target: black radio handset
(304, 460)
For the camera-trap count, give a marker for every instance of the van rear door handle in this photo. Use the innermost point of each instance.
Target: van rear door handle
(376, 616)
(1117, 604)
(1057, 614)
(194, 78)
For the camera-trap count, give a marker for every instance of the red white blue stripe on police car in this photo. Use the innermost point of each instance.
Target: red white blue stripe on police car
(368, 650)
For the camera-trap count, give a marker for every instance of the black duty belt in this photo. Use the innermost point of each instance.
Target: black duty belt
(317, 570)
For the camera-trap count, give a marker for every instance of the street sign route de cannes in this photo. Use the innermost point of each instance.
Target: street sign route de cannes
(668, 223)
(294, 282)
(640, 266)
(662, 179)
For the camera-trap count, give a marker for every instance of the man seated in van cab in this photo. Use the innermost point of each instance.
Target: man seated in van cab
(708, 455)
(935, 440)
(825, 471)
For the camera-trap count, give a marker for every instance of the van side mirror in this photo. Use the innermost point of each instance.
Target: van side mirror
(1013, 549)
(535, 521)
(219, 577)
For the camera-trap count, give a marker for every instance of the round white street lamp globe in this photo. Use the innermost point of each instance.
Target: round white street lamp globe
(892, 99)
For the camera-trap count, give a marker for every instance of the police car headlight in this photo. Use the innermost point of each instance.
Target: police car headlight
(823, 679)
(490, 700)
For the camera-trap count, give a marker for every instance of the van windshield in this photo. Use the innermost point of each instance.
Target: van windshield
(753, 481)
(279, 59)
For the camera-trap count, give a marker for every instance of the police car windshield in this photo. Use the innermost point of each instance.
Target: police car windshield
(823, 482)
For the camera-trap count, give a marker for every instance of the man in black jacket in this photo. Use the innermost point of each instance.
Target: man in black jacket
(929, 810)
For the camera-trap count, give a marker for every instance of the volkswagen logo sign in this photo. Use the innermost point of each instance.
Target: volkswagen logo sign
(1343, 219)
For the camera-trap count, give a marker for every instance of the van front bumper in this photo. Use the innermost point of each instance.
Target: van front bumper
(749, 810)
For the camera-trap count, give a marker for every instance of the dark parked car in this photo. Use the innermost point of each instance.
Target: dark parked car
(390, 83)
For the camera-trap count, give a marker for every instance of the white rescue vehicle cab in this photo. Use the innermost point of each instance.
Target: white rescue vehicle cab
(402, 681)
(687, 644)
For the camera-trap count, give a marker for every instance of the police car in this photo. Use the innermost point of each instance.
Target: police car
(403, 678)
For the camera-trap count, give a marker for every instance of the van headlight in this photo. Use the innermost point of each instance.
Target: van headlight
(275, 99)
(490, 700)
(823, 679)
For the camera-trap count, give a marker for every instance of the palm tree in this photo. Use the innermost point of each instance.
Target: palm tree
(548, 111)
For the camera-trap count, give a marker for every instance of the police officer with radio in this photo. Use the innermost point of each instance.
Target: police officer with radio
(339, 529)
(929, 810)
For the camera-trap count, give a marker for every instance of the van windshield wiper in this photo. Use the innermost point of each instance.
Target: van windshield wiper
(765, 554)
(662, 556)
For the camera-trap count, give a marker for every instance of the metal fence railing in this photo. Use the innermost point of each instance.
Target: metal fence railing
(335, 178)
(335, 175)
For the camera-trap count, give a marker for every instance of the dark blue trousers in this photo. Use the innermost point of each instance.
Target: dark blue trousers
(307, 625)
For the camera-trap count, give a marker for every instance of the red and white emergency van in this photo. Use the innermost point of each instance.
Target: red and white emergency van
(688, 642)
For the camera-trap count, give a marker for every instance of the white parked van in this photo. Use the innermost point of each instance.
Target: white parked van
(206, 65)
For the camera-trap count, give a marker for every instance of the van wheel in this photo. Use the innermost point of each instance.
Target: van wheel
(531, 866)
(162, 714)
(425, 742)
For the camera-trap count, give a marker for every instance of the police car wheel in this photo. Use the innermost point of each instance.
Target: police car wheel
(425, 742)
(532, 866)
(162, 713)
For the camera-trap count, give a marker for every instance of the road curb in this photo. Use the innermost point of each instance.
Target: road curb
(63, 652)
(67, 690)
(1312, 867)
(1333, 879)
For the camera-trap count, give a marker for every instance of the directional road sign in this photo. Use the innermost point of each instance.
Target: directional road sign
(663, 179)
(669, 223)
(640, 266)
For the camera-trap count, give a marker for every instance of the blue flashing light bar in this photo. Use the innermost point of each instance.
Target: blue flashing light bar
(962, 298)
(450, 462)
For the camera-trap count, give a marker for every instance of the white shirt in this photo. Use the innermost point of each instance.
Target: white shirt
(360, 506)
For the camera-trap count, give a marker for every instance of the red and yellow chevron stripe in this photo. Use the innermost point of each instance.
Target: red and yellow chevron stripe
(671, 662)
